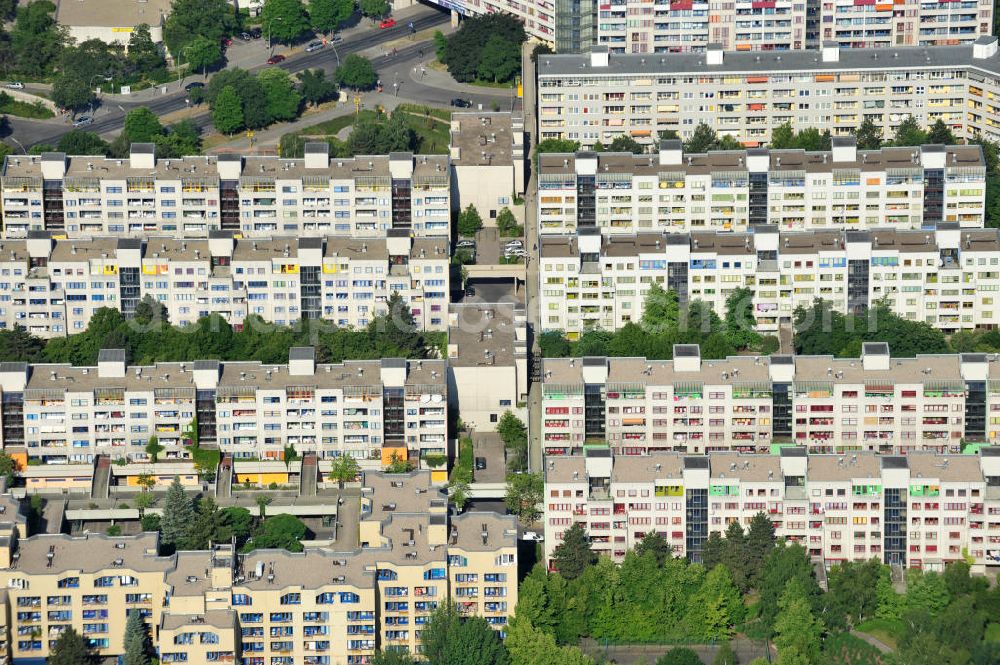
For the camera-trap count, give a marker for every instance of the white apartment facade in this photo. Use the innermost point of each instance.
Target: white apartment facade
(368, 409)
(597, 97)
(922, 510)
(53, 287)
(363, 196)
(947, 277)
(622, 193)
(899, 406)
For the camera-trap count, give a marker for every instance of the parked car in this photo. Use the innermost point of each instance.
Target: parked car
(514, 243)
(245, 36)
(336, 39)
(194, 84)
(387, 23)
(256, 33)
(83, 121)
(465, 243)
(275, 59)
(480, 464)
(531, 535)
(460, 103)
(314, 46)
(470, 291)
(15, 85)
(227, 41)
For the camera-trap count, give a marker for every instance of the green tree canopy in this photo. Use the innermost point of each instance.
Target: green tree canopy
(795, 626)
(178, 514)
(486, 47)
(374, 8)
(498, 61)
(286, 20)
(525, 492)
(572, 556)
(314, 86)
(188, 19)
(70, 649)
(679, 656)
(202, 54)
(72, 92)
(79, 142)
(327, 15)
(228, 112)
(283, 99)
(450, 639)
(137, 647)
(356, 73)
(469, 221)
(869, 135)
(142, 125)
(279, 532)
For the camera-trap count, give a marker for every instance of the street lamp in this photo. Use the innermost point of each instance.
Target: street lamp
(276, 18)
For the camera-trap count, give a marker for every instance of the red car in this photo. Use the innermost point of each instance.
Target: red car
(275, 59)
(387, 23)
(226, 41)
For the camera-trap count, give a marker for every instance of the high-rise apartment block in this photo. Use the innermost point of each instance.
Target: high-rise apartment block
(751, 404)
(52, 287)
(671, 26)
(317, 607)
(946, 277)
(369, 409)
(255, 196)
(921, 510)
(845, 188)
(598, 96)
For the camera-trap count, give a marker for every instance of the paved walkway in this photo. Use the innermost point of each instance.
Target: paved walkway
(874, 641)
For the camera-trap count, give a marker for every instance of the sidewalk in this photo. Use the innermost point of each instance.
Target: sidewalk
(434, 78)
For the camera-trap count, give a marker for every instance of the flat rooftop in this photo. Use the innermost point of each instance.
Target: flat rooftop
(92, 553)
(482, 138)
(111, 13)
(484, 334)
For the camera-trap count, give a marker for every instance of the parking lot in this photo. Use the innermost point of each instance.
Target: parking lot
(493, 290)
(490, 246)
(488, 447)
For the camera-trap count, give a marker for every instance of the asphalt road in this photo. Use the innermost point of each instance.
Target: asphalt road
(30, 132)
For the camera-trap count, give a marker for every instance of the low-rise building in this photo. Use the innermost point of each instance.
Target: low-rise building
(315, 607)
(487, 362)
(794, 190)
(52, 287)
(921, 510)
(487, 162)
(945, 277)
(360, 197)
(111, 21)
(369, 409)
(874, 403)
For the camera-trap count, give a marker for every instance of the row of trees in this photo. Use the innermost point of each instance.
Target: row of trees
(665, 323)
(821, 330)
(752, 583)
(485, 48)
(370, 135)
(141, 126)
(148, 338)
(292, 20)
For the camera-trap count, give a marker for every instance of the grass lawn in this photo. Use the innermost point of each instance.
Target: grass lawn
(332, 127)
(490, 84)
(430, 125)
(885, 630)
(35, 110)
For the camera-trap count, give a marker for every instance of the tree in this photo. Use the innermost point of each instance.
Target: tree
(228, 112)
(553, 344)
(484, 47)
(78, 142)
(286, 20)
(656, 545)
(440, 45)
(782, 565)
(450, 639)
(279, 532)
(262, 503)
(498, 61)
(572, 556)
(469, 221)
(869, 135)
(926, 591)
(760, 541)
(154, 448)
(8, 468)
(525, 492)
(507, 224)
(201, 53)
(716, 606)
(182, 138)
(314, 87)
(626, 143)
(374, 8)
(234, 522)
(188, 19)
(149, 311)
(795, 626)
(458, 493)
(142, 53)
(327, 15)
(345, 469)
(8, 9)
(398, 464)
(909, 133)
(178, 514)
(782, 137)
(392, 658)
(142, 125)
(740, 321)
(941, 133)
(702, 139)
(37, 40)
(146, 481)
(283, 99)
(137, 647)
(528, 645)
(70, 92)
(356, 73)
(679, 656)
(661, 309)
(144, 501)
(853, 592)
(70, 649)
(557, 146)
(514, 435)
